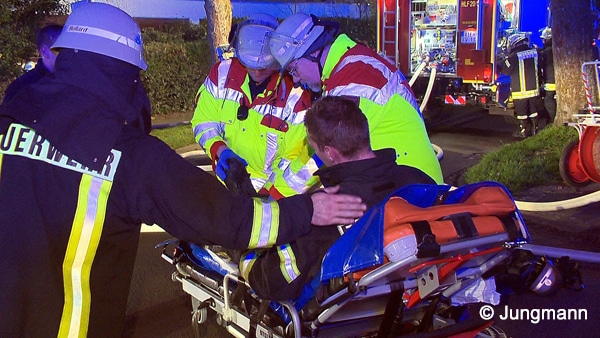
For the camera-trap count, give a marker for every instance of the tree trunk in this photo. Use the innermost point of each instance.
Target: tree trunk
(218, 16)
(572, 37)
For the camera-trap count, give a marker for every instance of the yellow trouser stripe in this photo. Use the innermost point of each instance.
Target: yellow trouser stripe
(81, 250)
(265, 224)
(525, 94)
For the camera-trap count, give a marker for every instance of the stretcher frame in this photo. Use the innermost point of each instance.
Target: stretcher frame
(360, 307)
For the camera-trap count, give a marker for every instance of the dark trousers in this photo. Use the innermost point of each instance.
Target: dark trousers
(527, 112)
(267, 276)
(550, 105)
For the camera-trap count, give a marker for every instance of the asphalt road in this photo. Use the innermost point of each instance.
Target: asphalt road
(159, 308)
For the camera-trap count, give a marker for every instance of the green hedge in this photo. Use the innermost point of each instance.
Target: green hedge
(178, 61)
(175, 72)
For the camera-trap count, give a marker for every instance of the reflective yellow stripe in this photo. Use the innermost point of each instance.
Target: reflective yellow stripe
(550, 87)
(522, 56)
(287, 263)
(265, 224)
(81, 250)
(525, 94)
(521, 73)
(247, 262)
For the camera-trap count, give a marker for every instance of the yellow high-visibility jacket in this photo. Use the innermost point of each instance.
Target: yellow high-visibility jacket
(385, 97)
(270, 136)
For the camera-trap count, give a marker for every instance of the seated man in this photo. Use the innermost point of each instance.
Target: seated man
(339, 133)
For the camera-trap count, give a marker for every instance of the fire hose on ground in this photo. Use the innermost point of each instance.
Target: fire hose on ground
(560, 205)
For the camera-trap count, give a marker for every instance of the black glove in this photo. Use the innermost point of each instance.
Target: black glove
(237, 179)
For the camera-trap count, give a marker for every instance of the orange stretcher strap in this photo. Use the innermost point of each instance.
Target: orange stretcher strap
(481, 214)
(486, 201)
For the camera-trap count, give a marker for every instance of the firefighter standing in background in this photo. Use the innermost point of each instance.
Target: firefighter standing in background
(521, 65)
(547, 69)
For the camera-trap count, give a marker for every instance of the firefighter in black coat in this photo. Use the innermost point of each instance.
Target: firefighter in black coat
(547, 70)
(521, 65)
(78, 178)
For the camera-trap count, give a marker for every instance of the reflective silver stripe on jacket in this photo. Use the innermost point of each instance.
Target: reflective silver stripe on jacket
(297, 180)
(208, 131)
(287, 263)
(381, 96)
(265, 224)
(86, 231)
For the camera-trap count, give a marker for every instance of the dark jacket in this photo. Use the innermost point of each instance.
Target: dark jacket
(547, 67)
(280, 273)
(522, 67)
(25, 80)
(76, 183)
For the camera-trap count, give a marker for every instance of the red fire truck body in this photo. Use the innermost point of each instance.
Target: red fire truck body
(464, 40)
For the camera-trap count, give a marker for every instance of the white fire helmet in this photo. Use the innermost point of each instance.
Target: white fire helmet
(252, 41)
(546, 33)
(294, 36)
(103, 29)
(517, 39)
(546, 279)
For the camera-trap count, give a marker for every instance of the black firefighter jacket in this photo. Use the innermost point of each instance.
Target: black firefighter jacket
(547, 68)
(522, 67)
(76, 182)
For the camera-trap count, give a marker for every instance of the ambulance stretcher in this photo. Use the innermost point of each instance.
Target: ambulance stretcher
(420, 263)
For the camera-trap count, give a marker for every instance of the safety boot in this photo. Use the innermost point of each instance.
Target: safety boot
(533, 119)
(522, 127)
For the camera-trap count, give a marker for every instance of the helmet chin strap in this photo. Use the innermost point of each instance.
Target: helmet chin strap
(317, 60)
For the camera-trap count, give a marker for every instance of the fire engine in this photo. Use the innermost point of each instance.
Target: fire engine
(451, 49)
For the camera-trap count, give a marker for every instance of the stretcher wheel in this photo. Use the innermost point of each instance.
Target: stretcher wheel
(220, 320)
(570, 166)
(492, 331)
(199, 316)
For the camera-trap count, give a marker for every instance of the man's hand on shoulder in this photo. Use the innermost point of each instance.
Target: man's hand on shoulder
(330, 208)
